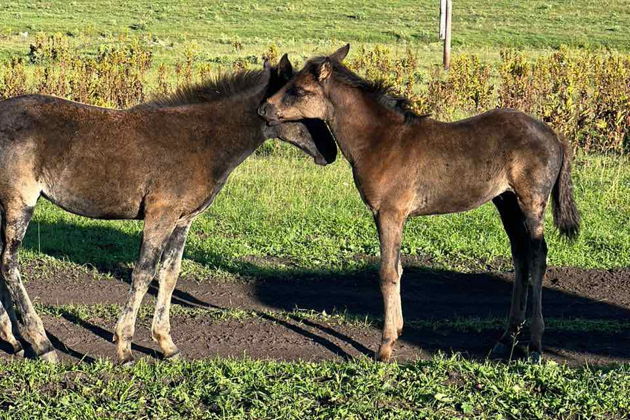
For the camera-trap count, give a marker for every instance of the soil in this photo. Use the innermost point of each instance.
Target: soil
(427, 295)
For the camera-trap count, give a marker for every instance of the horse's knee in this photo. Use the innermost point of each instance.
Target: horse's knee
(389, 277)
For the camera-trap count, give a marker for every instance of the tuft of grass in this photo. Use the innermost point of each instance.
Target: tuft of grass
(443, 387)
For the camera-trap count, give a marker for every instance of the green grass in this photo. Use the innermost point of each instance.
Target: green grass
(283, 215)
(222, 29)
(439, 388)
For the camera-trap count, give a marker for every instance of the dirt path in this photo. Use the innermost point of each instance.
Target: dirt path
(427, 296)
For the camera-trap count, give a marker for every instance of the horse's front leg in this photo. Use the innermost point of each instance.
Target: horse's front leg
(15, 300)
(167, 277)
(158, 227)
(390, 225)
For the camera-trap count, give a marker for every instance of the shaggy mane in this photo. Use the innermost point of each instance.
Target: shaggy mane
(380, 90)
(219, 87)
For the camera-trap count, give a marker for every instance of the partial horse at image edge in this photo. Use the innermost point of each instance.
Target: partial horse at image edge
(163, 162)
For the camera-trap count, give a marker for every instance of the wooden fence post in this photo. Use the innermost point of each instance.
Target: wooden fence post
(448, 13)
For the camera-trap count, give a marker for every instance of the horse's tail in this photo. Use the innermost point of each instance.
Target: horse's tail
(565, 213)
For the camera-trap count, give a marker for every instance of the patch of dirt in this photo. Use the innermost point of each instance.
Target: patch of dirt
(427, 295)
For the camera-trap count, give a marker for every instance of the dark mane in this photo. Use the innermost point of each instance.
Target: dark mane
(380, 90)
(219, 87)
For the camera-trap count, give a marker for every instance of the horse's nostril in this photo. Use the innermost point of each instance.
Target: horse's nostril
(262, 110)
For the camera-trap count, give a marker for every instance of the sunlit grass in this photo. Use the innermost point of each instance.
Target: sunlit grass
(224, 29)
(305, 217)
(443, 387)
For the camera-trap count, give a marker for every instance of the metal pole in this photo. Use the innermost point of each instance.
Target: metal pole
(447, 35)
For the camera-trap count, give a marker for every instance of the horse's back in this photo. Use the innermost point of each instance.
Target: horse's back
(506, 124)
(86, 159)
(457, 166)
(527, 146)
(35, 117)
(100, 162)
(496, 138)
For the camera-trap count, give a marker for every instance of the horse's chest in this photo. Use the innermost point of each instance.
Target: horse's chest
(205, 200)
(368, 193)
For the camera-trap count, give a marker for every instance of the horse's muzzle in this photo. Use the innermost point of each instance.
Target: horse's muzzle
(268, 112)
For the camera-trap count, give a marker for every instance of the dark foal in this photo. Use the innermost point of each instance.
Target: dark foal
(407, 165)
(163, 162)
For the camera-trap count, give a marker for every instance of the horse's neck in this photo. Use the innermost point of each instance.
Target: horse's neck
(242, 137)
(359, 122)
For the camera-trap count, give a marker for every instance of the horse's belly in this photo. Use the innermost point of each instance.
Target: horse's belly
(98, 204)
(455, 200)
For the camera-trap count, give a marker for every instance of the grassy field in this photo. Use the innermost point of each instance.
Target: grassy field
(221, 30)
(246, 389)
(281, 216)
(296, 218)
(309, 218)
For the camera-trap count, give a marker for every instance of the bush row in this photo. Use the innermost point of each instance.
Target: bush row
(584, 95)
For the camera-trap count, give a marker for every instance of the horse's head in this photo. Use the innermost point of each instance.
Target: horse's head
(306, 94)
(310, 135)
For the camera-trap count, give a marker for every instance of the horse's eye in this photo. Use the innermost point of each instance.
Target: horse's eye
(292, 94)
(296, 91)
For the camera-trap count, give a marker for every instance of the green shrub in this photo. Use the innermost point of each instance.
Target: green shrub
(584, 95)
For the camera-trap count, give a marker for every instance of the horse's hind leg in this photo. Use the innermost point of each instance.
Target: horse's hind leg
(8, 320)
(537, 269)
(514, 223)
(390, 226)
(167, 277)
(533, 202)
(14, 223)
(158, 226)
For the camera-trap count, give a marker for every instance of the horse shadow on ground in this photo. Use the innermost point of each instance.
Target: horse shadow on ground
(428, 295)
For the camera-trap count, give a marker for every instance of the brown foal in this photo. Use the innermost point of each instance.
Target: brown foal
(163, 162)
(408, 165)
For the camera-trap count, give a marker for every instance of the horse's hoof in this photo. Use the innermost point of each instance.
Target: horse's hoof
(50, 356)
(384, 354)
(173, 356)
(535, 358)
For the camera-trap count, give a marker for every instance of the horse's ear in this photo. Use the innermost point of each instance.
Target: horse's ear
(266, 65)
(266, 76)
(285, 69)
(341, 53)
(324, 70)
